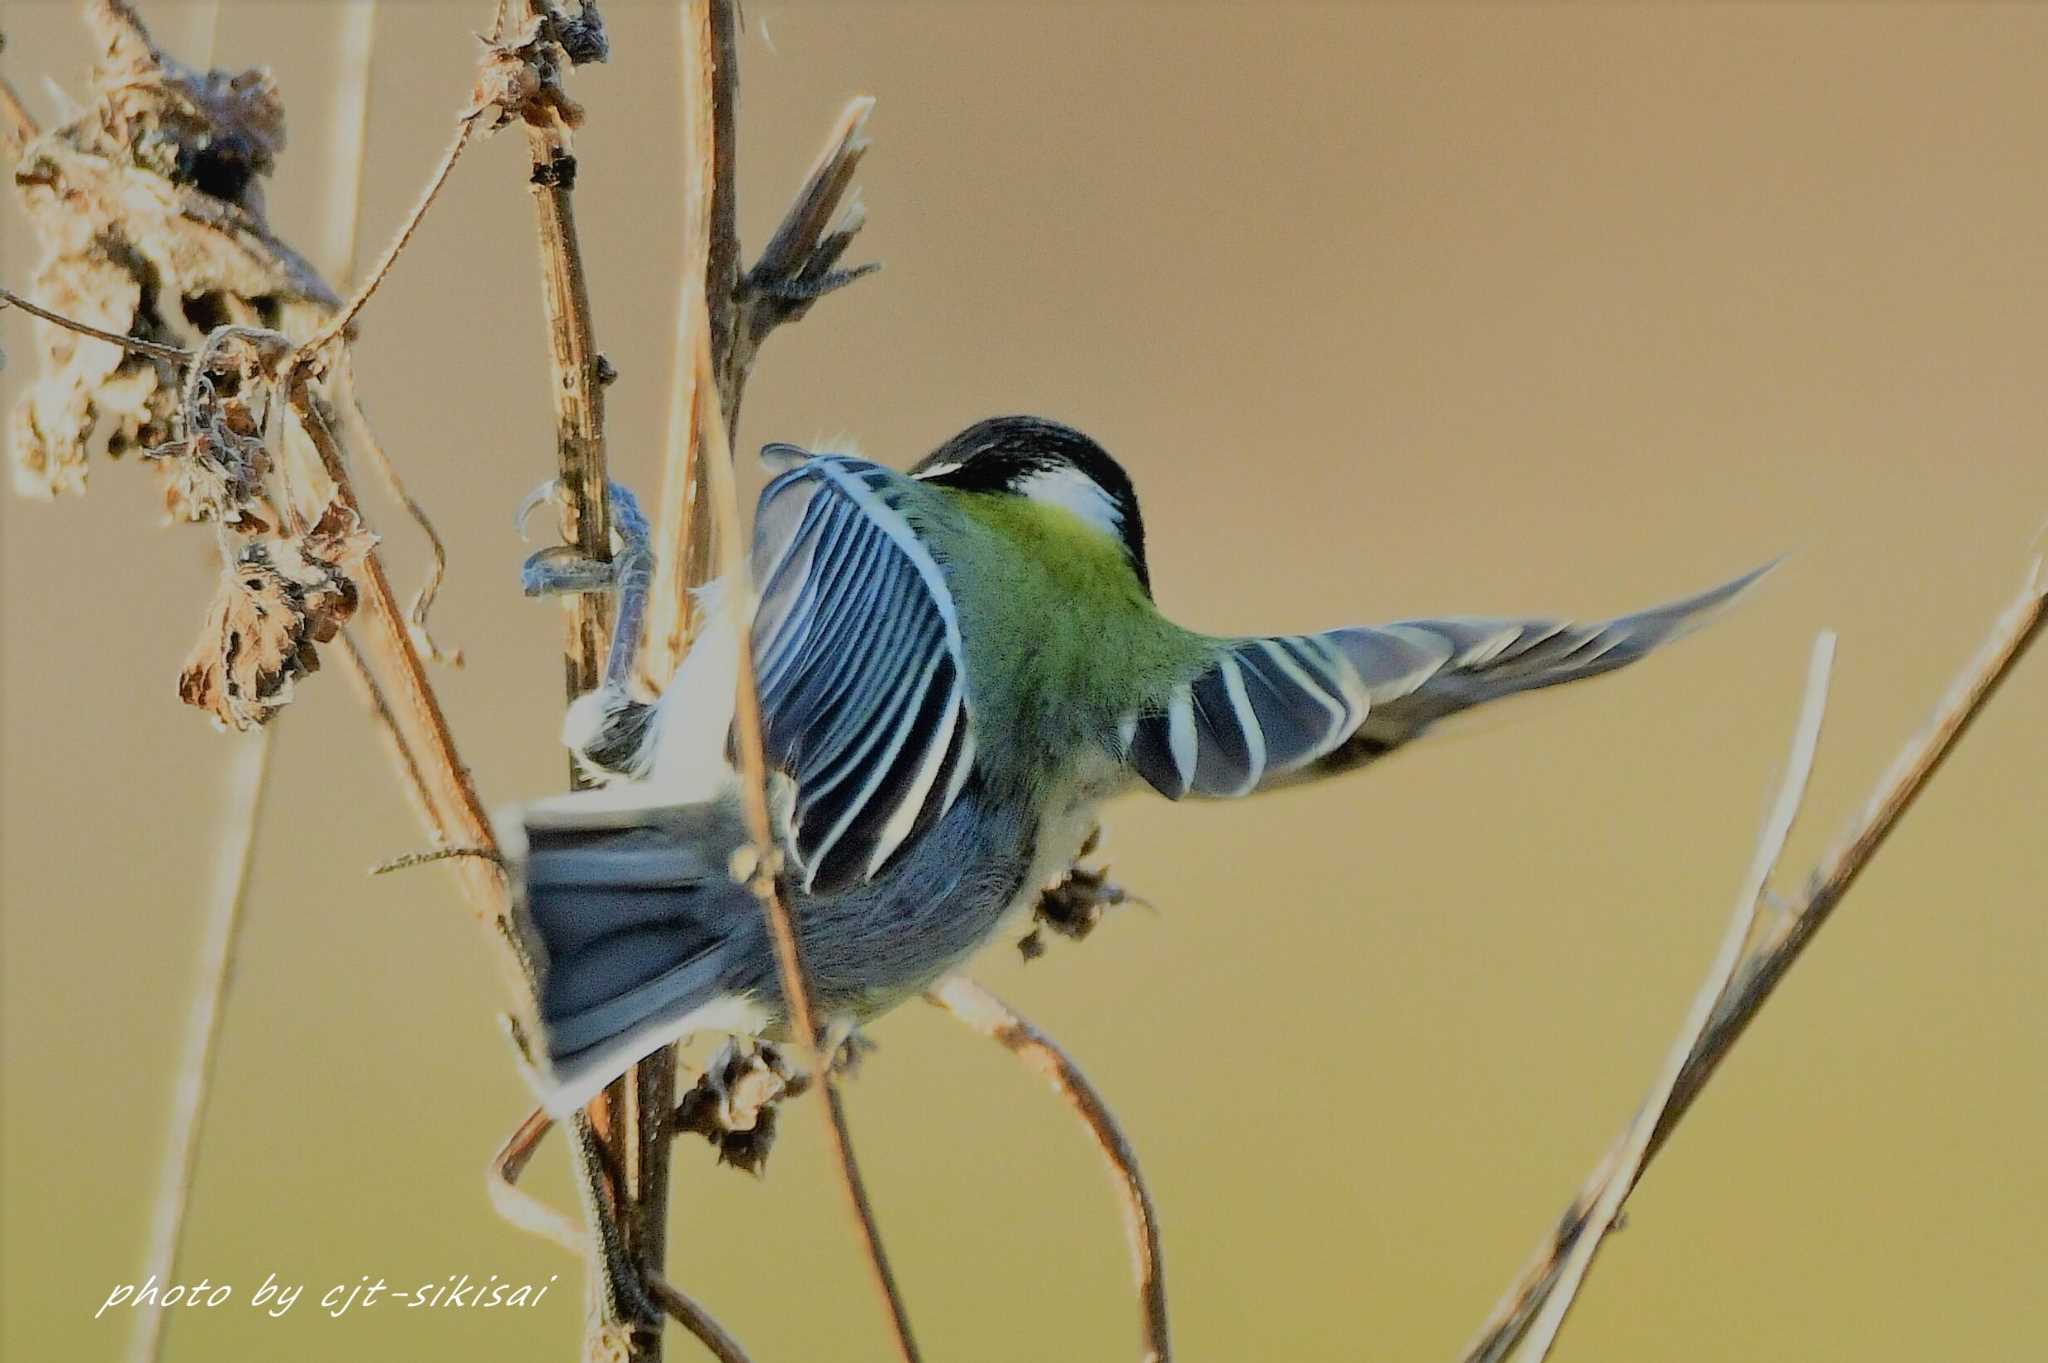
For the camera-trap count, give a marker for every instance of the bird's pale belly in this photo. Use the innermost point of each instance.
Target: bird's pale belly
(872, 949)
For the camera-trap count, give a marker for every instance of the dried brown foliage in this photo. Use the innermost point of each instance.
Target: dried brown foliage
(279, 597)
(149, 210)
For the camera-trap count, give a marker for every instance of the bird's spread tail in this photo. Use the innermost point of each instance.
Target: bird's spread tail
(637, 928)
(1272, 711)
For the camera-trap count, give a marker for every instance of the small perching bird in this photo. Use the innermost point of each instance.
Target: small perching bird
(957, 666)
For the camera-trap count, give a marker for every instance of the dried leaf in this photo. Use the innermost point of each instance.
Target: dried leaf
(148, 206)
(278, 599)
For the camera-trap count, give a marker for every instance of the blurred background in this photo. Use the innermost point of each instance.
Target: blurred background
(1388, 311)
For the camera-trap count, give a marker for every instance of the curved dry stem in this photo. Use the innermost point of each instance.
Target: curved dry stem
(365, 439)
(1766, 961)
(521, 1208)
(1625, 1163)
(339, 323)
(696, 1320)
(248, 775)
(985, 1013)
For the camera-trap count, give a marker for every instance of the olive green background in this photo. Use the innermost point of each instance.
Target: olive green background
(1388, 311)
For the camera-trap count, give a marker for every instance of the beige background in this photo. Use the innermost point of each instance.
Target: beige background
(1388, 311)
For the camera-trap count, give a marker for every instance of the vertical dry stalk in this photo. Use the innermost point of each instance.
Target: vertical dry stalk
(712, 365)
(17, 129)
(1627, 1160)
(248, 772)
(747, 731)
(710, 274)
(996, 1020)
(354, 50)
(629, 1121)
(1529, 1314)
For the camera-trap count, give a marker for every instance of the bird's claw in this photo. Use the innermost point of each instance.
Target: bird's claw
(562, 570)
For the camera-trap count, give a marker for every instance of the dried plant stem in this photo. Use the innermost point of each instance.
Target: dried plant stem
(363, 438)
(354, 50)
(1532, 1310)
(1627, 1160)
(248, 772)
(710, 273)
(990, 1016)
(626, 1128)
(717, 459)
(696, 1320)
(346, 314)
(741, 309)
(450, 794)
(134, 344)
(411, 779)
(17, 129)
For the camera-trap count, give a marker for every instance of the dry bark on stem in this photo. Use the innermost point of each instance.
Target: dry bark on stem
(990, 1016)
(630, 1119)
(1529, 1314)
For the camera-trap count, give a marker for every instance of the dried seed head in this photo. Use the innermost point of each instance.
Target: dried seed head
(733, 1103)
(278, 599)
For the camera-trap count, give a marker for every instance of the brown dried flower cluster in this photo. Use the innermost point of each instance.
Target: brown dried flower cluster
(520, 76)
(149, 209)
(278, 598)
(733, 1103)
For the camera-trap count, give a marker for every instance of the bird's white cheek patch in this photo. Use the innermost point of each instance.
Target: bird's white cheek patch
(1076, 492)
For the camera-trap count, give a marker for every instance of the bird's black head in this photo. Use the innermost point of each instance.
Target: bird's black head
(1027, 456)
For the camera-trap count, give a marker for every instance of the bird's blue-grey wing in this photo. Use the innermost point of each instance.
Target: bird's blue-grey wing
(858, 658)
(1266, 712)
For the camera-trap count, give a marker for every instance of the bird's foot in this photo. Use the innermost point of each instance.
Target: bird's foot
(563, 570)
(1074, 907)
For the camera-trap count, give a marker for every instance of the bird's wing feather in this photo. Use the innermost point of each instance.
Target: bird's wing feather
(861, 673)
(1267, 712)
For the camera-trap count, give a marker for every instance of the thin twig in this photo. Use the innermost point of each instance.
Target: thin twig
(411, 779)
(696, 1320)
(747, 733)
(339, 323)
(247, 774)
(710, 273)
(1785, 936)
(459, 816)
(990, 1016)
(1627, 1160)
(364, 438)
(520, 1207)
(133, 344)
(629, 1210)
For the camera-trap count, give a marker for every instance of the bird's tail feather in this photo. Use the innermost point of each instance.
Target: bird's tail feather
(1272, 711)
(638, 931)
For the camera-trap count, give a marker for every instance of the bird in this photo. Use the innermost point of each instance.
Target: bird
(957, 666)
